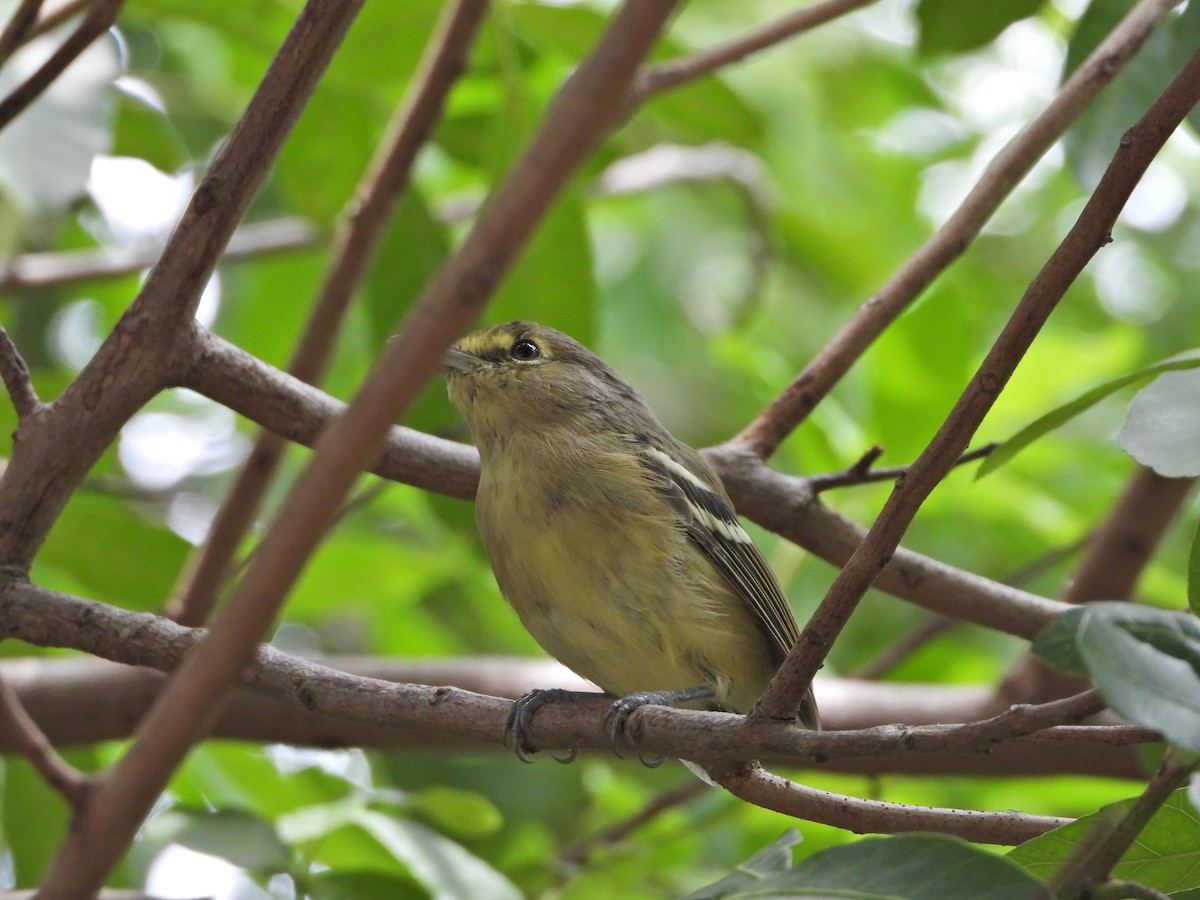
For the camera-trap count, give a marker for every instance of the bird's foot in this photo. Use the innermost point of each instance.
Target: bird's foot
(520, 715)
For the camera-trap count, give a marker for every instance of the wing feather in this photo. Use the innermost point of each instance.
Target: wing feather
(711, 523)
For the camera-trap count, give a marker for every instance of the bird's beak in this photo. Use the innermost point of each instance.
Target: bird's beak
(456, 360)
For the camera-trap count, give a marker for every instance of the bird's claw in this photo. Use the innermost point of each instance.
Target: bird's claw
(520, 715)
(623, 708)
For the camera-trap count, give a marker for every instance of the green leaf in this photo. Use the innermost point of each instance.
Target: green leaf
(911, 866)
(242, 839)
(1093, 139)
(445, 868)
(1166, 855)
(956, 25)
(46, 152)
(411, 252)
(1194, 573)
(707, 109)
(556, 264)
(465, 813)
(1162, 426)
(1145, 662)
(1056, 642)
(1063, 414)
(362, 886)
(773, 859)
(142, 131)
(34, 816)
(100, 545)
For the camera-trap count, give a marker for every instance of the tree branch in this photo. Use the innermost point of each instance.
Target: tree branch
(655, 79)
(152, 340)
(1091, 231)
(126, 371)
(354, 248)
(20, 731)
(786, 505)
(354, 702)
(15, 374)
(56, 268)
(780, 503)
(764, 435)
(1093, 861)
(588, 104)
(1119, 551)
(18, 27)
(755, 785)
(98, 20)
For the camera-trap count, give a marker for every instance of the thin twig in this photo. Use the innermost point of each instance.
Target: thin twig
(755, 785)
(1091, 231)
(58, 267)
(54, 13)
(21, 730)
(354, 248)
(164, 312)
(862, 473)
(15, 374)
(780, 503)
(588, 105)
(763, 436)
(657, 78)
(1093, 861)
(98, 20)
(18, 27)
(1110, 735)
(1125, 890)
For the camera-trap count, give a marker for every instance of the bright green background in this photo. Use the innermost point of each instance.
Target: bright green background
(851, 134)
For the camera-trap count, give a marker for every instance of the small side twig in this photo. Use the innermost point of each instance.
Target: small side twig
(1093, 861)
(763, 436)
(22, 731)
(51, 268)
(1091, 231)
(755, 785)
(15, 374)
(18, 27)
(95, 23)
(862, 473)
(354, 247)
(655, 79)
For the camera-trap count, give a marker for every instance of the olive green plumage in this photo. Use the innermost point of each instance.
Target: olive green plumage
(615, 544)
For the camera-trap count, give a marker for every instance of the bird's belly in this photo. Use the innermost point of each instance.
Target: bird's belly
(579, 588)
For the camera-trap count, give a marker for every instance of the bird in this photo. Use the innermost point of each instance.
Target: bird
(614, 542)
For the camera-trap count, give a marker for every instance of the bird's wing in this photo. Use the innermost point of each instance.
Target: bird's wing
(709, 520)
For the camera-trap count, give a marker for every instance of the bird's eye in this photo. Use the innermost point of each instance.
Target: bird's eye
(525, 351)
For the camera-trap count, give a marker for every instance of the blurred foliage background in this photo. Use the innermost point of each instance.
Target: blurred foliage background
(788, 189)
